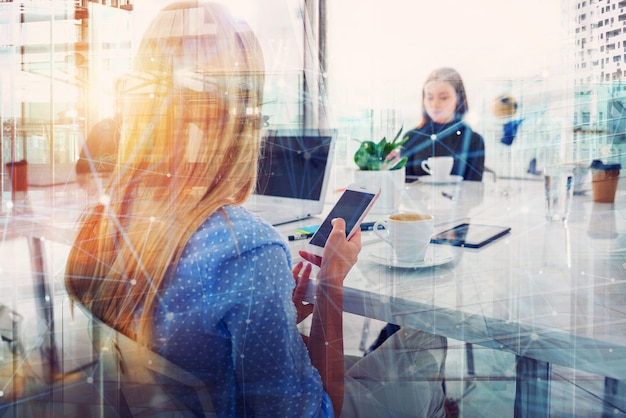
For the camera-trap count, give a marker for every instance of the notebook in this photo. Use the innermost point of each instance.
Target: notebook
(293, 174)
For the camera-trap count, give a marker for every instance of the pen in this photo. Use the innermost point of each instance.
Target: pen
(448, 195)
(369, 226)
(298, 237)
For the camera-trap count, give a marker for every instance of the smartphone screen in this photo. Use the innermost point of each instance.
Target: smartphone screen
(350, 207)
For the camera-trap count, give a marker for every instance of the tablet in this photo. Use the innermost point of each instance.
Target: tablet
(470, 235)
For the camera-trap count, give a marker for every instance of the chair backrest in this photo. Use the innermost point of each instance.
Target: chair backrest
(142, 383)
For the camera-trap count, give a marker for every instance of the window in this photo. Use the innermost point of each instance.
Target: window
(91, 53)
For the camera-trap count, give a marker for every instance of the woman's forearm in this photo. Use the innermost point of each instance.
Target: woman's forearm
(326, 340)
(326, 336)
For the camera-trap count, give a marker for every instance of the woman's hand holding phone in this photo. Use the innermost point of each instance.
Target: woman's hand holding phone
(352, 207)
(339, 254)
(336, 244)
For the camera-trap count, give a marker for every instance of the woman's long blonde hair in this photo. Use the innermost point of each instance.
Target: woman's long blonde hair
(190, 140)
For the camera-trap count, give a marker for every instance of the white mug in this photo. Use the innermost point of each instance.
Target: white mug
(438, 167)
(408, 234)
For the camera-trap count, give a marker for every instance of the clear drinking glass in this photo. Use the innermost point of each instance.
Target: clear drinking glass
(559, 189)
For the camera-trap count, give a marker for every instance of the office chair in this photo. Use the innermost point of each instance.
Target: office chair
(139, 383)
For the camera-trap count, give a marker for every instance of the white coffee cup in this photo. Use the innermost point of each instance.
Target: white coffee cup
(438, 167)
(408, 234)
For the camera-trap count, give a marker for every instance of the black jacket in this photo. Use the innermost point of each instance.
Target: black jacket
(452, 139)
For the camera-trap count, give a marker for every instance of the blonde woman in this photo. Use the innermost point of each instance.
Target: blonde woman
(170, 258)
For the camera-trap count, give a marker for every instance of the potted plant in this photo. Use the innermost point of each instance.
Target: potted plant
(381, 163)
(382, 155)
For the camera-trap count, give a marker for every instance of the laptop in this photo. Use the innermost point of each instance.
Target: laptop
(293, 174)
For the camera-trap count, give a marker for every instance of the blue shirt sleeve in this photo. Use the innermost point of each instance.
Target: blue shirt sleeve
(327, 407)
(271, 362)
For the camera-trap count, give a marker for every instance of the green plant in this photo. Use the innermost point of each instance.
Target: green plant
(382, 155)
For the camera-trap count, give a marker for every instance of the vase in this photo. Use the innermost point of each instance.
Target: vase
(391, 183)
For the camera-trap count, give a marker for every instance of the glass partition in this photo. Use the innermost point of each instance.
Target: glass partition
(357, 66)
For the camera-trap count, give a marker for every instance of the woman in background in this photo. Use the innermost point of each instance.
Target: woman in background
(170, 257)
(442, 130)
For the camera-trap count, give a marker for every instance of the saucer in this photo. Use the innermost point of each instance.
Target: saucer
(434, 257)
(449, 180)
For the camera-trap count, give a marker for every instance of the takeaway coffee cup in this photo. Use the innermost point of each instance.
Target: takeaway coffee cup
(604, 179)
(408, 234)
(438, 167)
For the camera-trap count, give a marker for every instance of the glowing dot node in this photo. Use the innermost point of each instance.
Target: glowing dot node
(133, 282)
(90, 380)
(152, 219)
(534, 336)
(433, 137)
(105, 200)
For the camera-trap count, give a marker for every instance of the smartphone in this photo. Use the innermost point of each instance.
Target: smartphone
(352, 206)
(470, 235)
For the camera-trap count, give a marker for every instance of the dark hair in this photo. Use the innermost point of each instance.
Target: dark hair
(99, 152)
(449, 75)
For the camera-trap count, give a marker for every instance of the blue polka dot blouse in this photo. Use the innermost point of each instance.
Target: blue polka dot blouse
(226, 315)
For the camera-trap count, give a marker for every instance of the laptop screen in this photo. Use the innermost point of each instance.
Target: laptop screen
(293, 163)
